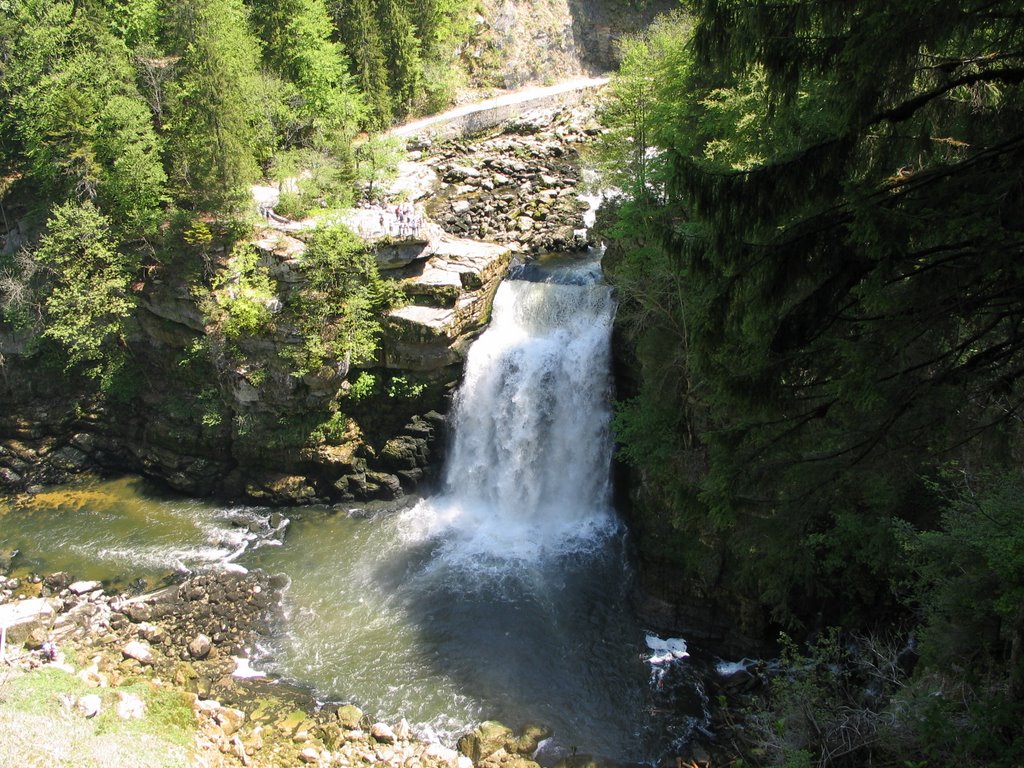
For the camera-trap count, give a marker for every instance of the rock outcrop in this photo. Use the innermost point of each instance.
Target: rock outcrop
(208, 415)
(520, 188)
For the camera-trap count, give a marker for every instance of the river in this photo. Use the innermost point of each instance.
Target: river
(503, 596)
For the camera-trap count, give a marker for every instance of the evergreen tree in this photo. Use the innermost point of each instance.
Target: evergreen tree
(405, 70)
(844, 222)
(443, 28)
(327, 113)
(88, 300)
(214, 127)
(357, 23)
(75, 123)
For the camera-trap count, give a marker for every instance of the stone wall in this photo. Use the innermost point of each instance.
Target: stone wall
(490, 114)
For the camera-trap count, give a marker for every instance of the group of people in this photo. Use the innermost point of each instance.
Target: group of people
(400, 222)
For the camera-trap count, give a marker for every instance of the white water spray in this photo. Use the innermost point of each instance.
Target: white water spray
(528, 475)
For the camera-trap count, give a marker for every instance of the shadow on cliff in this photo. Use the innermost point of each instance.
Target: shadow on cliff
(597, 26)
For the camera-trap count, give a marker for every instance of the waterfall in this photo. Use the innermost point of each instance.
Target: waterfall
(528, 473)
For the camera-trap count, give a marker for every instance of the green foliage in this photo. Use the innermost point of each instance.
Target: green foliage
(340, 309)
(327, 111)
(74, 118)
(971, 576)
(402, 49)
(630, 154)
(820, 275)
(333, 431)
(443, 27)
(405, 55)
(357, 22)
(377, 161)
(245, 292)
(89, 299)
(312, 179)
(134, 21)
(213, 129)
(399, 387)
(362, 387)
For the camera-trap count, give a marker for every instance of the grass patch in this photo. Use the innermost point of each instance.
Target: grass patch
(41, 726)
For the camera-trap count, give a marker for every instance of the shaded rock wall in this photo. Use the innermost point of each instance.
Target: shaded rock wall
(542, 41)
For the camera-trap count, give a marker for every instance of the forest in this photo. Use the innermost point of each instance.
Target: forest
(818, 254)
(132, 130)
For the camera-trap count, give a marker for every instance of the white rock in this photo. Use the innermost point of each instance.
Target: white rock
(243, 670)
(139, 651)
(382, 732)
(464, 762)
(441, 753)
(82, 587)
(130, 706)
(89, 705)
(309, 755)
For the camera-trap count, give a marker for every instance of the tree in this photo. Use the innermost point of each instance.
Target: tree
(356, 21)
(299, 48)
(76, 123)
(377, 161)
(340, 309)
(846, 220)
(402, 48)
(89, 299)
(443, 28)
(213, 129)
(134, 21)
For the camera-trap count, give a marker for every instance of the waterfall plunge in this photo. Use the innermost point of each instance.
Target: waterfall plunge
(528, 474)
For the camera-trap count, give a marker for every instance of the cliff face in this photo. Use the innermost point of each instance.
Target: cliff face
(541, 41)
(240, 423)
(211, 416)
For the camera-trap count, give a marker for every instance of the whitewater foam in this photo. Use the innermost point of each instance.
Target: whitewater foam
(528, 475)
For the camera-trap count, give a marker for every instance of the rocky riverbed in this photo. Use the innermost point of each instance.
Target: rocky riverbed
(193, 638)
(520, 187)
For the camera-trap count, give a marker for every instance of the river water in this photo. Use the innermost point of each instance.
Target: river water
(504, 596)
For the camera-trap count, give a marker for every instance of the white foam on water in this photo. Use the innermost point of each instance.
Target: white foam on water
(666, 650)
(243, 670)
(730, 668)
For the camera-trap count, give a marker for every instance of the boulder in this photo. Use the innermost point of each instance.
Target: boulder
(89, 705)
(229, 719)
(199, 646)
(281, 489)
(382, 732)
(130, 706)
(528, 741)
(139, 612)
(84, 587)
(139, 651)
(7, 559)
(485, 740)
(22, 617)
(350, 717)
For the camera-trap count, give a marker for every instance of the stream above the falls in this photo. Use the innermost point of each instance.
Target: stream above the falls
(503, 596)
